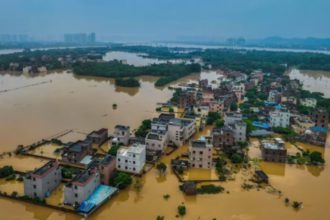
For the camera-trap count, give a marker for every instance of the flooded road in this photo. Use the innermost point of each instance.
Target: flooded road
(85, 104)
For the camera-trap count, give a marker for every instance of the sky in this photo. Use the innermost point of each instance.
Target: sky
(160, 20)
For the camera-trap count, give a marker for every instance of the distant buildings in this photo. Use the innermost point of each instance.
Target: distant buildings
(274, 151)
(308, 102)
(223, 138)
(81, 187)
(40, 183)
(200, 154)
(320, 118)
(80, 38)
(280, 118)
(131, 159)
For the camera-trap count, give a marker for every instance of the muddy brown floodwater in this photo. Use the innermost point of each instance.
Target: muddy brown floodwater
(84, 104)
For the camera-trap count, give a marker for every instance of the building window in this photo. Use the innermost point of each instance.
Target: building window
(76, 195)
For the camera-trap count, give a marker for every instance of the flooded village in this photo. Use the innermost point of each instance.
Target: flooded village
(219, 144)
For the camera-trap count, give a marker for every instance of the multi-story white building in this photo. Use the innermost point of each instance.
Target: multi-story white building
(121, 135)
(156, 140)
(239, 128)
(81, 187)
(131, 159)
(280, 118)
(308, 102)
(40, 183)
(200, 154)
(180, 130)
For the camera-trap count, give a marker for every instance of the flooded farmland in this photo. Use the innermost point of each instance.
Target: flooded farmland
(85, 103)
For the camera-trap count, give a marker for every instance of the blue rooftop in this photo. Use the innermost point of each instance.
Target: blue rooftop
(101, 193)
(267, 103)
(259, 124)
(319, 129)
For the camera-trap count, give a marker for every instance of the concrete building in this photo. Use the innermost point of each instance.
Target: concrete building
(121, 135)
(280, 118)
(43, 181)
(320, 118)
(232, 117)
(239, 128)
(274, 96)
(187, 99)
(274, 151)
(75, 152)
(98, 137)
(131, 159)
(180, 130)
(106, 168)
(223, 137)
(308, 102)
(156, 141)
(200, 154)
(81, 187)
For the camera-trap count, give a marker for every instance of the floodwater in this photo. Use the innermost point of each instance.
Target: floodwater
(314, 81)
(28, 114)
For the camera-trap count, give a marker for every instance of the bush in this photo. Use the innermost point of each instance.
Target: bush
(142, 131)
(182, 210)
(6, 171)
(236, 158)
(113, 150)
(316, 157)
(210, 189)
(130, 82)
(121, 180)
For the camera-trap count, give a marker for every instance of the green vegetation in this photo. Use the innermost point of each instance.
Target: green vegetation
(176, 95)
(296, 205)
(142, 131)
(67, 172)
(138, 185)
(182, 210)
(168, 72)
(130, 82)
(166, 196)
(6, 171)
(236, 158)
(307, 157)
(210, 189)
(121, 180)
(219, 123)
(220, 167)
(212, 117)
(288, 133)
(161, 167)
(113, 150)
(160, 217)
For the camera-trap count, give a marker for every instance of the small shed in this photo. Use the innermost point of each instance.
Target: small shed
(189, 188)
(261, 176)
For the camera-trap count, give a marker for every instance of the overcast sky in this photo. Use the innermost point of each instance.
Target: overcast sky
(145, 20)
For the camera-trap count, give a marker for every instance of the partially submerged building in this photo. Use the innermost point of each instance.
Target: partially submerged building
(81, 187)
(41, 182)
(77, 151)
(131, 159)
(274, 151)
(98, 137)
(121, 135)
(200, 154)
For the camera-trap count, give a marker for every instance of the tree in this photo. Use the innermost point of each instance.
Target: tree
(182, 210)
(121, 180)
(6, 171)
(212, 117)
(296, 205)
(219, 123)
(160, 217)
(142, 131)
(233, 106)
(236, 158)
(113, 150)
(316, 157)
(161, 167)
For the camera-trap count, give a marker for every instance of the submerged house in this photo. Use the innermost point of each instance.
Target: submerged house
(274, 151)
(76, 152)
(98, 137)
(41, 182)
(81, 187)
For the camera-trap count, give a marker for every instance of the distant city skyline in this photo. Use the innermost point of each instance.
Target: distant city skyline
(166, 20)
